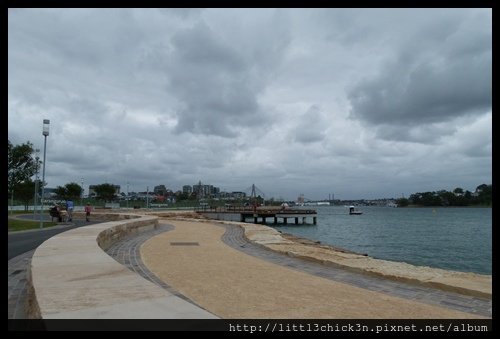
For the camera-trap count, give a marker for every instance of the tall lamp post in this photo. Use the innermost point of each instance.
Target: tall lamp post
(81, 197)
(37, 158)
(127, 194)
(45, 133)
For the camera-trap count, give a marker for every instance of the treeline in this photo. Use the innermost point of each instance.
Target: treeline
(458, 197)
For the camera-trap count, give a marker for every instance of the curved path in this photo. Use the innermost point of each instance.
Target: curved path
(17, 285)
(21, 246)
(195, 260)
(20, 242)
(127, 252)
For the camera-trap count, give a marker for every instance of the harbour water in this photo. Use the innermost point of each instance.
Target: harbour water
(458, 239)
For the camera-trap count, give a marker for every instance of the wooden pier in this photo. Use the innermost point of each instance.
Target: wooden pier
(260, 215)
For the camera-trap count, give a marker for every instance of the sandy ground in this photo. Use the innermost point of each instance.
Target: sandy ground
(232, 284)
(466, 283)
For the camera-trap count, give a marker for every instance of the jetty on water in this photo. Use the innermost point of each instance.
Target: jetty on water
(259, 215)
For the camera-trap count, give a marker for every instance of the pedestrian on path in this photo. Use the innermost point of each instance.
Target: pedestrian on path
(69, 208)
(88, 209)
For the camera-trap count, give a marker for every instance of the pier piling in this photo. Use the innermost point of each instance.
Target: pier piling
(242, 214)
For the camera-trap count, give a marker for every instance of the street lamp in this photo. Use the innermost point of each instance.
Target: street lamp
(147, 197)
(37, 158)
(127, 194)
(45, 133)
(81, 197)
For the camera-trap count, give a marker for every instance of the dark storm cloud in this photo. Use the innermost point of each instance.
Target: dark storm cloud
(235, 96)
(445, 74)
(216, 84)
(311, 127)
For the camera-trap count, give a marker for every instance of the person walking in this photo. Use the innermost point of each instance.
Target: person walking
(88, 209)
(69, 208)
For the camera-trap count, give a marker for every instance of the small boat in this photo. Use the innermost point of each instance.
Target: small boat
(352, 210)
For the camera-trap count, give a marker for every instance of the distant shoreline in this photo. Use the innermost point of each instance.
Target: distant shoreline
(420, 206)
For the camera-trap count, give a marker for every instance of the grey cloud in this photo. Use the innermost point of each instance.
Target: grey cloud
(435, 85)
(183, 13)
(212, 82)
(427, 134)
(311, 126)
(217, 86)
(200, 45)
(235, 96)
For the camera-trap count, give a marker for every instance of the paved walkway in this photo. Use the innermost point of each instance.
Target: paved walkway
(127, 252)
(17, 285)
(20, 259)
(195, 260)
(234, 237)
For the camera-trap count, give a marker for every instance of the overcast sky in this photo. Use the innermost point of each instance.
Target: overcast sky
(361, 103)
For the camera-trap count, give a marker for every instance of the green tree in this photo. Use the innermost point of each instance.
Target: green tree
(402, 202)
(25, 192)
(60, 192)
(22, 166)
(259, 200)
(416, 199)
(105, 192)
(69, 191)
(447, 198)
(459, 197)
(427, 199)
(180, 196)
(482, 187)
(468, 196)
(484, 194)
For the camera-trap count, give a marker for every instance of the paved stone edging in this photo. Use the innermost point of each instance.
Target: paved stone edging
(17, 285)
(127, 252)
(464, 283)
(235, 237)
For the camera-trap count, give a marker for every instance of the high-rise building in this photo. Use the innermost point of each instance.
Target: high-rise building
(188, 189)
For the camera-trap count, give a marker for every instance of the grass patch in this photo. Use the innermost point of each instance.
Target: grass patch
(22, 225)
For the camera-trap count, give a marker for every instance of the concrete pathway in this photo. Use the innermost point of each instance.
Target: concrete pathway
(194, 260)
(20, 242)
(21, 246)
(127, 252)
(17, 289)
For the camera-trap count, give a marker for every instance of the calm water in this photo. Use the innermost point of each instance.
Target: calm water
(450, 238)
